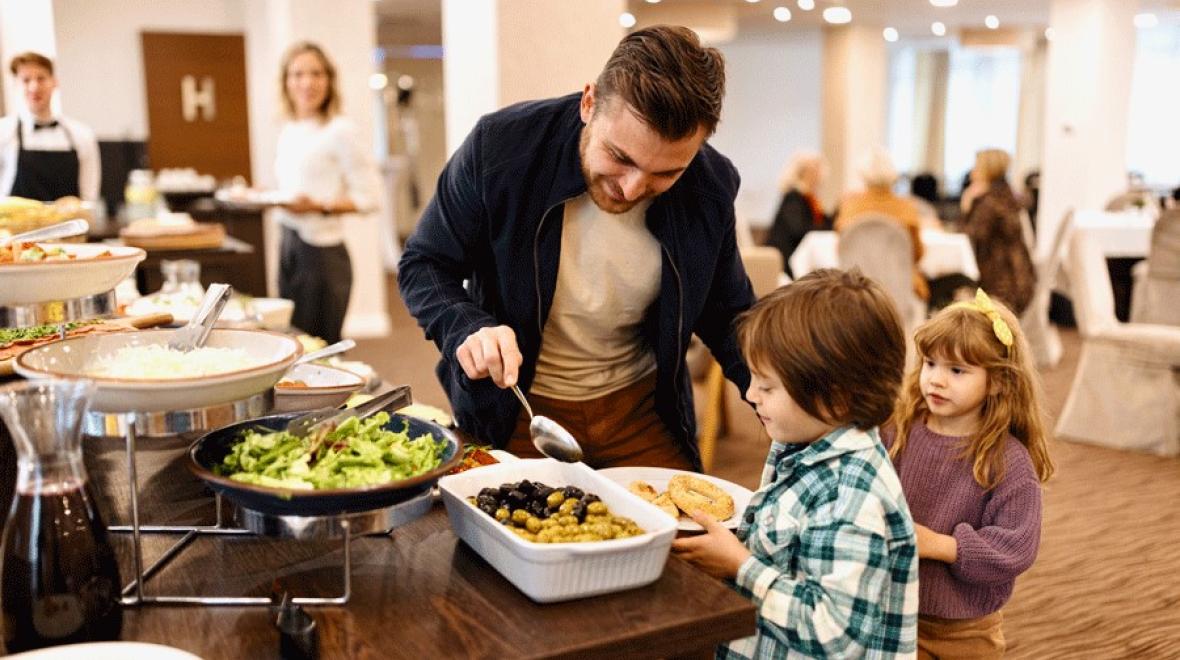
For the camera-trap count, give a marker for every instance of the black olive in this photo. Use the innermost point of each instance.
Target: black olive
(572, 491)
(590, 497)
(506, 488)
(579, 511)
(489, 509)
(538, 509)
(487, 500)
(542, 493)
(489, 492)
(541, 486)
(526, 487)
(517, 500)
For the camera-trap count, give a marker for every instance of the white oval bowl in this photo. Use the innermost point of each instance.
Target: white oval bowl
(326, 387)
(75, 357)
(88, 274)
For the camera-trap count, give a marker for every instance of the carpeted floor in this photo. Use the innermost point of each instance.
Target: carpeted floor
(1107, 581)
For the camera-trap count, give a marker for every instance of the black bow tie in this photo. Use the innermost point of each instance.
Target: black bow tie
(48, 124)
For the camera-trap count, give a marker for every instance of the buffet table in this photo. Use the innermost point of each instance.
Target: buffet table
(419, 593)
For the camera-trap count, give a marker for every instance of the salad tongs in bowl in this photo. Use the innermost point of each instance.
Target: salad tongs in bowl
(194, 333)
(326, 419)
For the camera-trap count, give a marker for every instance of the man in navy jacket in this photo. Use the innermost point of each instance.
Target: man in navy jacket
(574, 245)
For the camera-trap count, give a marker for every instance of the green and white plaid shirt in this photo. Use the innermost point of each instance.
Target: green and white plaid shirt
(834, 570)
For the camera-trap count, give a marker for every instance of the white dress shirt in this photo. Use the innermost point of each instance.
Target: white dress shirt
(324, 161)
(79, 137)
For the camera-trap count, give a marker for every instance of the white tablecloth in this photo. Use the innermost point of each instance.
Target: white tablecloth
(946, 253)
(1119, 233)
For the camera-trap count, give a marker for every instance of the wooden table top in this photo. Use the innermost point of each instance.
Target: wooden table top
(418, 592)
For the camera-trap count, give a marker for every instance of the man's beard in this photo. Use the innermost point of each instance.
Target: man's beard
(596, 185)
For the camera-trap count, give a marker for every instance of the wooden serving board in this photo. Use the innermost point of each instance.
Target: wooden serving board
(205, 236)
(9, 354)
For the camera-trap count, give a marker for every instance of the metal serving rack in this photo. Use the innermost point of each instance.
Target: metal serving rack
(343, 526)
(23, 315)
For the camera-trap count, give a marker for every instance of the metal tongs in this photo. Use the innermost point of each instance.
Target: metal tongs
(65, 229)
(194, 333)
(324, 420)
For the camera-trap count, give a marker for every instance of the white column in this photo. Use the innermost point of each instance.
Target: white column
(854, 103)
(1088, 74)
(347, 32)
(499, 52)
(24, 25)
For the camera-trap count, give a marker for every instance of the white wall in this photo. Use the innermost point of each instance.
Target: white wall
(772, 108)
(24, 25)
(99, 58)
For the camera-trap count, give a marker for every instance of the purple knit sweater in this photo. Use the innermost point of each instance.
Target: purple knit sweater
(997, 531)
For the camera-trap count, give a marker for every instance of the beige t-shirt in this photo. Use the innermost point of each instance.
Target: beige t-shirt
(608, 275)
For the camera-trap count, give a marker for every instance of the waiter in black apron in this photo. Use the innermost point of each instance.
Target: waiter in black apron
(45, 157)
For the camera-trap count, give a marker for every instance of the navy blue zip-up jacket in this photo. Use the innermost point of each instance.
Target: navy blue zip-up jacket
(496, 221)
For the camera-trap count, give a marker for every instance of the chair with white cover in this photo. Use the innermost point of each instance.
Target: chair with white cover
(1126, 391)
(883, 251)
(1042, 335)
(1155, 296)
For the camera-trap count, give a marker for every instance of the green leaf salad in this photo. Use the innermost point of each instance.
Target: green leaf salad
(357, 453)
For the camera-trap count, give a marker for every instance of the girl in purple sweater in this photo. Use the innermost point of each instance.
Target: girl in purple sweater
(969, 442)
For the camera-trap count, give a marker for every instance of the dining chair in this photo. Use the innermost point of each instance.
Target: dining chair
(1043, 339)
(881, 248)
(764, 267)
(1126, 391)
(1155, 294)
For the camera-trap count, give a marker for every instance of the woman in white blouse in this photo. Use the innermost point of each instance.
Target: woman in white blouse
(321, 165)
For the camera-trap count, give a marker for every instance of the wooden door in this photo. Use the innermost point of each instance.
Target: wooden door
(196, 98)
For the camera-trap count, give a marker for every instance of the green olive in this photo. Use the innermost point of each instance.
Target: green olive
(520, 516)
(568, 506)
(567, 521)
(533, 524)
(502, 514)
(596, 508)
(555, 499)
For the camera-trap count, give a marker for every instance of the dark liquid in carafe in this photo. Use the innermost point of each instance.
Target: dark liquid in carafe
(60, 578)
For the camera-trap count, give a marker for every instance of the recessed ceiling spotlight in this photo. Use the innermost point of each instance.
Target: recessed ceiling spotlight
(991, 22)
(627, 19)
(938, 28)
(806, 5)
(838, 15)
(782, 14)
(1146, 20)
(653, 2)
(1050, 33)
(944, 3)
(378, 81)
(753, 1)
(890, 34)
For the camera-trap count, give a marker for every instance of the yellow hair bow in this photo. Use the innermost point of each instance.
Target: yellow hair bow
(983, 305)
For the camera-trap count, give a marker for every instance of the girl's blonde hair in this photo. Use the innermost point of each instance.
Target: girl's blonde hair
(331, 104)
(966, 334)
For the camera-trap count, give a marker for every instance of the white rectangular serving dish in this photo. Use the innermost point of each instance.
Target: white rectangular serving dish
(551, 572)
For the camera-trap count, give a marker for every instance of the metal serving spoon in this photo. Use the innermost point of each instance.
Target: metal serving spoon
(327, 351)
(55, 231)
(548, 436)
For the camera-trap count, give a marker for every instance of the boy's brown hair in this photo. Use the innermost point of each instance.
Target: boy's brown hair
(30, 58)
(835, 341)
(671, 82)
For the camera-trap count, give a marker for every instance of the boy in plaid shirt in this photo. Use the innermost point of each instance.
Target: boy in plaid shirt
(826, 548)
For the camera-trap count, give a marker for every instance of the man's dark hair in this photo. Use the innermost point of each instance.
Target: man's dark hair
(671, 82)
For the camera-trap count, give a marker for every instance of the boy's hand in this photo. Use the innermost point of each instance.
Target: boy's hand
(717, 552)
(932, 545)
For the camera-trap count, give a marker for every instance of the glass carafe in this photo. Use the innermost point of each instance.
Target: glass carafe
(182, 276)
(59, 581)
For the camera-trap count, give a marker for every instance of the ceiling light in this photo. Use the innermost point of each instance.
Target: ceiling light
(837, 15)
(1146, 20)
(627, 19)
(944, 3)
(782, 14)
(991, 22)
(890, 34)
(806, 5)
(378, 81)
(1050, 33)
(938, 28)
(652, 2)
(752, 1)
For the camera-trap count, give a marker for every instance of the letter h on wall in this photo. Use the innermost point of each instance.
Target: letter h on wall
(194, 100)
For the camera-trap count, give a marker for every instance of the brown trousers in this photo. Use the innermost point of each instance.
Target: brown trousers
(620, 428)
(977, 639)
